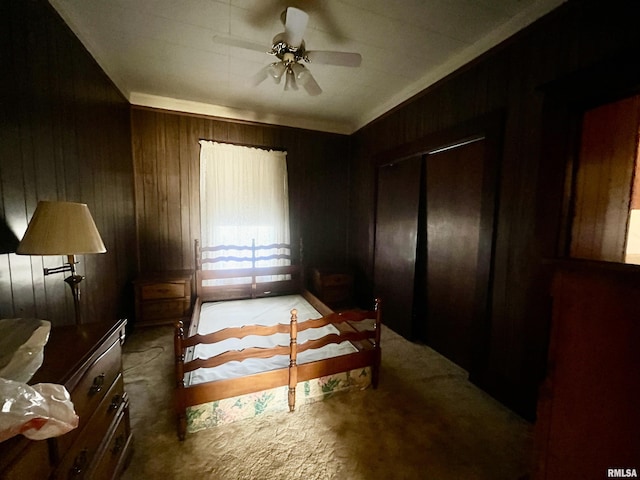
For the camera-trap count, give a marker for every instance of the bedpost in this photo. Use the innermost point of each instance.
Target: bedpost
(375, 371)
(197, 255)
(293, 366)
(181, 410)
(254, 286)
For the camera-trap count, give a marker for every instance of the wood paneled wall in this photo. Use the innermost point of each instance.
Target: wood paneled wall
(166, 153)
(64, 135)
(571, 41)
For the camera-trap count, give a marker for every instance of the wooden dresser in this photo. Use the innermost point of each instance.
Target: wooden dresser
(88, 361)
(333, 285)
(163, 297)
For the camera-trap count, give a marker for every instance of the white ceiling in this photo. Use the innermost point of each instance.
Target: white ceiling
(174, 53)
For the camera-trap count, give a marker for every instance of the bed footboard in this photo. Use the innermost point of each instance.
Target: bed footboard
(350, 326)
(180, 403)
(351, 329)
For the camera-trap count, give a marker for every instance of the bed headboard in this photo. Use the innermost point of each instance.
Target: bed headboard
(247, 280)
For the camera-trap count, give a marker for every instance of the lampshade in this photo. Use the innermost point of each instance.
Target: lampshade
(61, 228)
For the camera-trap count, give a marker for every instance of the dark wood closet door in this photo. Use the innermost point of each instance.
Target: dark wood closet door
(396, 237)
(457, 273)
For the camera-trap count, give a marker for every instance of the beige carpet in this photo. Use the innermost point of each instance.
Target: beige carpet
(425, 421)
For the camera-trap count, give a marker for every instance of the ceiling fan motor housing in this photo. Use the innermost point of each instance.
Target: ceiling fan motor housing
(286, 52)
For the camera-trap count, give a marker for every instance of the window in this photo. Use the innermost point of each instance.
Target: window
(243, 197)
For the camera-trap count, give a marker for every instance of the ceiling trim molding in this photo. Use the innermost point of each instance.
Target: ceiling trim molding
(187, 106)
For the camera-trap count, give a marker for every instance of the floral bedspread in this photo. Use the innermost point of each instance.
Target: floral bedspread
(250, 405)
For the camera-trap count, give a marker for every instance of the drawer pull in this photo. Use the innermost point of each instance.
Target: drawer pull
(80, 463)
(116, 401)
(118, 445)
(98, 383)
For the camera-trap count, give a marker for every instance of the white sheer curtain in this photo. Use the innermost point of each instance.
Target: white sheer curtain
(243, 195)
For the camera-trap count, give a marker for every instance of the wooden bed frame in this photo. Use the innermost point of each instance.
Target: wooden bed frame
(366, 341)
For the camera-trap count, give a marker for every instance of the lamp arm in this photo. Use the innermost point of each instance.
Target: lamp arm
(60, 269)
(72, 280)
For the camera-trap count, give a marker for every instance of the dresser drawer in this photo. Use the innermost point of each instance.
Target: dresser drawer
(112, 458)
(333, 295)
(96, 381)
(161, 290)
(81, 454)
(164, 309)
(336, 280)
(91, 389)
(163, 297)
(333, 286)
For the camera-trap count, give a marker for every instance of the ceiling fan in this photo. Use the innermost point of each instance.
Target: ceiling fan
(290, 50)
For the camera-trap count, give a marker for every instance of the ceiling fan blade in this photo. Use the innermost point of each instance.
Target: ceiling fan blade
(311, 86)
(343, 59)
(294, 26)
(240, 43)
(260, 76)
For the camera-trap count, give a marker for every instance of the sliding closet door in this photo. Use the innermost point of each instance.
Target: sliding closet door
(459, 239)
(395, 245)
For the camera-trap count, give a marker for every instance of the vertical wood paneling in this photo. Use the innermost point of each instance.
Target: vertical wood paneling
(159, 184)
(185, 178)
(167, 156)
(174, 217)
(511, 78)
(65, 135)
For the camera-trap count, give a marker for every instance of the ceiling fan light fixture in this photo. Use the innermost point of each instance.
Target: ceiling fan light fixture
(290, 80)
(276, 70)
(290, 50)
(301, 73)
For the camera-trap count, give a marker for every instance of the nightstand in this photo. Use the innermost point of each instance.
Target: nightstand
(163, 298)
(333, 285)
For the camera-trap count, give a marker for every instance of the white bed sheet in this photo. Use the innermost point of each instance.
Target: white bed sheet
(216, 316)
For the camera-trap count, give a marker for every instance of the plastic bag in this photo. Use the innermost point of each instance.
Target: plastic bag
(40, 411)
(22, 342)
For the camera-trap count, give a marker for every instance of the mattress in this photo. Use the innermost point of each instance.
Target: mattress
(215, 316)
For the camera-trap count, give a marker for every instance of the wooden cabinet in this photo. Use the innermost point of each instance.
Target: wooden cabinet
(87, 360)
(334, 286)
(163, 297)
(588, 416)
